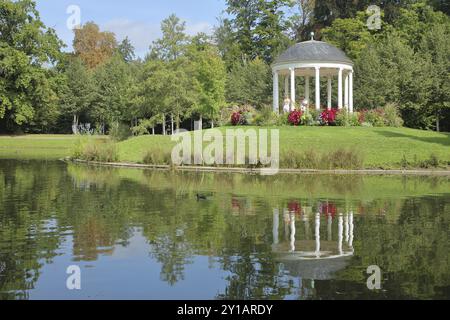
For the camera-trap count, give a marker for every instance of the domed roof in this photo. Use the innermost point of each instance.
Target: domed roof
(313, 51)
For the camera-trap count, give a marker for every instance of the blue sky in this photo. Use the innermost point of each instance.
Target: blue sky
(138, 19)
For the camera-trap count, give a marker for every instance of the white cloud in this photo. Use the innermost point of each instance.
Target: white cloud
(193, 29)
(143, 34)
(140, 34)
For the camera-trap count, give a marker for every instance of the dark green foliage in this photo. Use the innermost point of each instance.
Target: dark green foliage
(28, 97)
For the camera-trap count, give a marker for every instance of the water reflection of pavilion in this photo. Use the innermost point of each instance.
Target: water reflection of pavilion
(312, 257)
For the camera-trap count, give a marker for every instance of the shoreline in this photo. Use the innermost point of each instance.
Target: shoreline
(396, 172)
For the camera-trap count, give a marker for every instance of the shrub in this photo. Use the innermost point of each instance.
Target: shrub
(311, 159)
(236, 118)
(266, 117)
(295, 118)
(346, 119)
(392, 116)
(96, 151)
(307, 119)
(343, 159)
(120, 131)
(430, 163)
(328, 117)
(282, 119)
(157, 156)
(374, 117)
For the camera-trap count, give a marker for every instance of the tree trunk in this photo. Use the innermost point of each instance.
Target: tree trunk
(438, 127)
(164, 124)
(212, 124)
(200, 123)
(75, 124)
(172, 124)
(153, 130)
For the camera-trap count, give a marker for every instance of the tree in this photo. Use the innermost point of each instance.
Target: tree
(229, 49)
(260, 27)
(351, 35)
(172, 44)
(126, 50)
(111, 95)
(435, 47)
(327, 11)
(249, 83)
(27, 48)
(301, 22)
(77, 94)
(390, 72)
(210, 73)
(93, 46)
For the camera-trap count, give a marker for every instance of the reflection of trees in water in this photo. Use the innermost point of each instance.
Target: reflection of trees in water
(41, 205)
(26, 231)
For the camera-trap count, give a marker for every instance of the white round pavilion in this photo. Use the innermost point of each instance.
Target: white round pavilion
(313, 59)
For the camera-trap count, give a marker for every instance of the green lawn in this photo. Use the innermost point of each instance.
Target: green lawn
(380, 147)
(36, 147)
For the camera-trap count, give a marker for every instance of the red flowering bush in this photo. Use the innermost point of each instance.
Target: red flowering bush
(295, 117)
(328, 117)
(328, 209)
(236, 118)
(294, 207)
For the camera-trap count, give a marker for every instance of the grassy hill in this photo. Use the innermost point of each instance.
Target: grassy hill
(379, 147)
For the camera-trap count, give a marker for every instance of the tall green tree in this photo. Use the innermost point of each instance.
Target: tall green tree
(210, 72)
(173, 42)
(77, 93)
(126, 50)
(260, 26)
(27, 49)
(435, 48)
(111, 97)
(249, 83)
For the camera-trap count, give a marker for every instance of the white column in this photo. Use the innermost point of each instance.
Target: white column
(307, 85)
(346, 97)
(330, 94)
(352, 230)
(340, 102)
(293, 232)
(286, 87)
(351, 93)
(340, 233)
(347, 228)
(292, 87)
(276, 97)
(317, 88)
(318, 235)
(330, 228)
(276, 225)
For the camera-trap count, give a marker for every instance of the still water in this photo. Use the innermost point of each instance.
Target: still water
(160, 235)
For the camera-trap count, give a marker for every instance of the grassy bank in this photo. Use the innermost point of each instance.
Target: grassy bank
(386, 148)
(37, 147)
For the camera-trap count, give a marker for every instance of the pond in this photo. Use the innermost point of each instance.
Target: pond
(138, 234)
